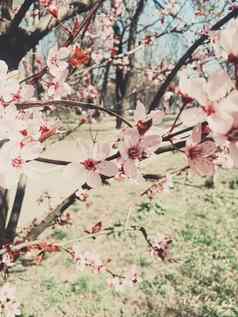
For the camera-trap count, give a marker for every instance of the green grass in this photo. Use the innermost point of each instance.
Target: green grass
(201, 281)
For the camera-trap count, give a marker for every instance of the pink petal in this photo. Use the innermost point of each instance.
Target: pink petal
(192, 116)
(139, 113)
(194, 88)
(84, 152)
(75, 173)
(220, 124)
(131, 137)
(229, 104)
(202, 166)
(101, 151)
(130, 169)
(208, 148)
(151, 141)
(123, 149)
(196, 134)
(93, 179)
(218, 85)
(107, 168)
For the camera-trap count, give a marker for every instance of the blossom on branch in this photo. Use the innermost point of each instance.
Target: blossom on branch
(90, 164)
(134, 148)
(225, 42)
(199, 153)
(144, 121)
(212, 96)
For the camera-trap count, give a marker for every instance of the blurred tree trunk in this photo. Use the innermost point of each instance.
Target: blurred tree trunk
(15, 41)
(5, 9)
(123, 78)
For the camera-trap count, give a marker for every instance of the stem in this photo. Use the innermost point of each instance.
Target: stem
(71, 103)
(188, 54)
(51, 218)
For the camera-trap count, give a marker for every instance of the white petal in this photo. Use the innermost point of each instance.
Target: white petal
(151, 141)
(101, 151)
(218, 85)
(192, 116)
(75, 173)
(107, 168)
(93, 179)
(139, 113)
(130, 168)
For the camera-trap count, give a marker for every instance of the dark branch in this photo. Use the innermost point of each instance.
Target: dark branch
(16, 209)
(187, 55)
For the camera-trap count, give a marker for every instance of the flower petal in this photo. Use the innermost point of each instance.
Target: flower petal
(192, 116)
(130, 168)
(107, 168)
(75, 173)
(139, 113)
(93, 179)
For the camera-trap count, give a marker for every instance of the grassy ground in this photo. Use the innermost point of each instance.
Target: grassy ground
(202, 282)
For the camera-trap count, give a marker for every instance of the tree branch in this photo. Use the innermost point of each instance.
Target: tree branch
(187, 54)
(16, 209)
(19, 16)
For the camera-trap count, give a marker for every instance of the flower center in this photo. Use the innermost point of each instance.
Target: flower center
(232, 135)
(209, 109)
(90, 165)
(17, 162)
(134, 153)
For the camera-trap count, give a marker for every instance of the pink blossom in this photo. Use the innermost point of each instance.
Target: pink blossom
(212, 96)
(57, 60)
(144, 121)
(25, 93)
(58, 88)
(14, 157)
(90, 164)
(134, 148)
(225, 41)
(199, 155)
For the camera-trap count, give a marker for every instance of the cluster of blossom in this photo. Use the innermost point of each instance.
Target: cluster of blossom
(9, 307)
(22, 132)
(217, 97)
(25, 130)
(134, 145)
